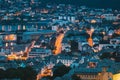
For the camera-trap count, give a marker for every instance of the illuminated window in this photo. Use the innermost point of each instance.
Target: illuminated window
(10, 37)
(6, 45)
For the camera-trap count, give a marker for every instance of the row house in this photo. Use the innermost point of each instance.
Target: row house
(39, 52)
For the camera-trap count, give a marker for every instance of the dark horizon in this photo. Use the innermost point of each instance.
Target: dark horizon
(114, 4)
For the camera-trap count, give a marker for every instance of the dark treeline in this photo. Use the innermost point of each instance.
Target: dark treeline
(26, 73)
(115, 4)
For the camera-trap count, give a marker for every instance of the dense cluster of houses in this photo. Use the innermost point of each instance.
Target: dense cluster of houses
(88, 34)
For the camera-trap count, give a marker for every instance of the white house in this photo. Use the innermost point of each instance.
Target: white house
(66, 46)
(109, 16)
(39, 52)
(66, 60)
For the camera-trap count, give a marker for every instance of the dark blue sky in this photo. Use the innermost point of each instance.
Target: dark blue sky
(91, 3)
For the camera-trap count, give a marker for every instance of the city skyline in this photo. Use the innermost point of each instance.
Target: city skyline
(59, 40)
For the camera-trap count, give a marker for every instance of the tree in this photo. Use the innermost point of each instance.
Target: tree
(29, 74)
(47, 78)
(74, 45)
(2, 73)
(75, 77)
(105, 55)
(20, 72)
(26, 73)
(60, 71)
(11, 73)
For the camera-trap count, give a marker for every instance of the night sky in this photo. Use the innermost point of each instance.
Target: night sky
(115, 4)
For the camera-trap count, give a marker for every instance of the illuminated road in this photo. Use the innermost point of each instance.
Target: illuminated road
(45, 72)
(90, 40)
(58, 44)
(24, 55)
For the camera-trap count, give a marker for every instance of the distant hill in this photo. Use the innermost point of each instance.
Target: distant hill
(115, 4)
